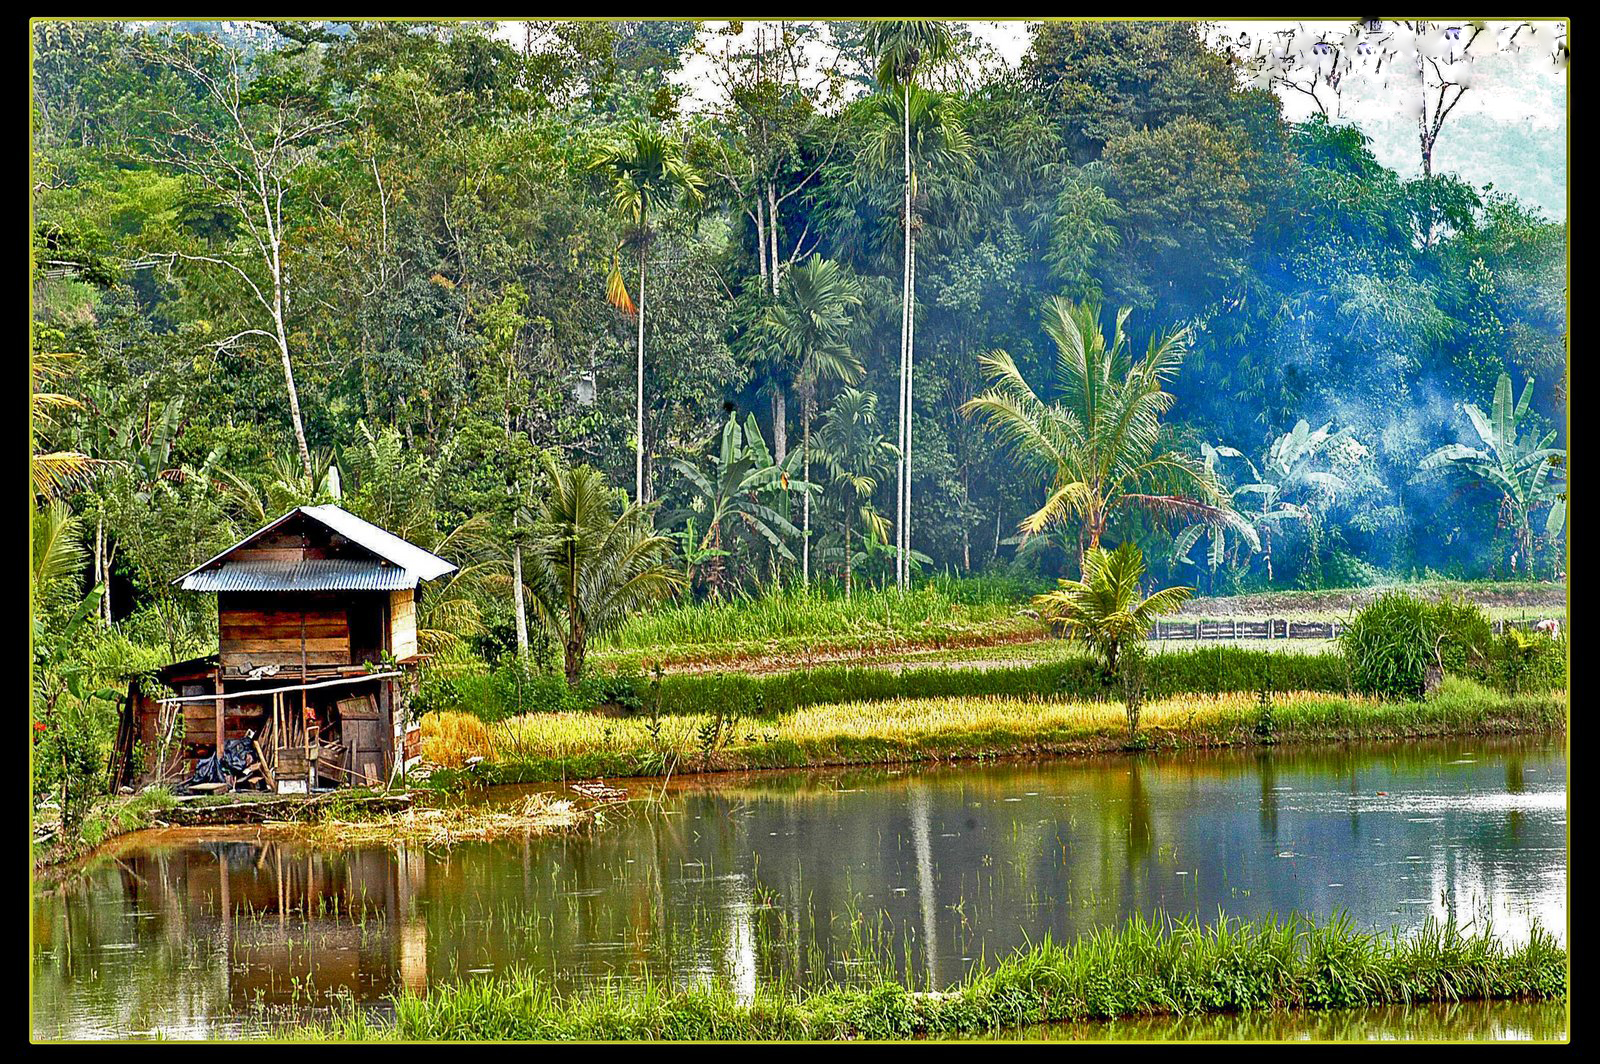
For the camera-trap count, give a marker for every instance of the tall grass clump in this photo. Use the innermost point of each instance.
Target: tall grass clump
(1146, 967)
(1390, 646)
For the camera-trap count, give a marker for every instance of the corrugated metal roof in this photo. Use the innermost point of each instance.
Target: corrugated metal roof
(384, 544)
(408, 556)
(321, 574)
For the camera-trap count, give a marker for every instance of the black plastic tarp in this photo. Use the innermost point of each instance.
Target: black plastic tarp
(236, 757)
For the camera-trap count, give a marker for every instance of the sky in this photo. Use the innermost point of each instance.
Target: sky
(1509, 130)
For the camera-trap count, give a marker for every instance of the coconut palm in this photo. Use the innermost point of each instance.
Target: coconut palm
(734, 499)
(1100, 443)
(905, 47)
(1104, 610)
(592, 562)
(53, 471)
(808, 325)
(1523, 469)
(647, 175)
(856, 455)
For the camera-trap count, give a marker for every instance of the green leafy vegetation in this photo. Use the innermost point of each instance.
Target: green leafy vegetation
(1145, 967)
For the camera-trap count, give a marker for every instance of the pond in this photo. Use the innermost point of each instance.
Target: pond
(805, 876)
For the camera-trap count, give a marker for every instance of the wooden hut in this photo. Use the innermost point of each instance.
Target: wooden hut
(317, 633)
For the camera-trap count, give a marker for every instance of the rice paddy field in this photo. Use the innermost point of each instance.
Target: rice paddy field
(973, 619)
(559, 746)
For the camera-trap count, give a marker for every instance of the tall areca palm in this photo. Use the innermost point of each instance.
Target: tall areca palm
(592, 562)
(905, 47)
(856, 455)
(1100, 442)
(1524, 470)
(809, 324)
(647, 175)
(1104, 610)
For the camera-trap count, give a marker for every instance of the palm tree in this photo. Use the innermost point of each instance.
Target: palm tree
(856, 455)
(732, 499)
(647, 174)
(1525, 471)
(1100, 443)
(53, 471)
(904, 47)
(1103, 610)
(592, 563)
(808, 325)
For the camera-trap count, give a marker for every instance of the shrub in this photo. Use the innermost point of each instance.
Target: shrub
(1390, 645)
(1393, 642)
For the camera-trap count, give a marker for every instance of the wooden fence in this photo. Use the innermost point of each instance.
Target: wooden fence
(1275, 628)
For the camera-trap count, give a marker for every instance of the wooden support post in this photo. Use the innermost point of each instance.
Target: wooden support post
(221, 718)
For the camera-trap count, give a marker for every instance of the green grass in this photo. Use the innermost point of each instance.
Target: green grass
(557, 746)
(942, 612)
(1208, 669)
(1156, 967)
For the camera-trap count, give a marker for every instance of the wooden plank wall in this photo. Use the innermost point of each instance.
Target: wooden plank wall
(402, 624)
(263, 630)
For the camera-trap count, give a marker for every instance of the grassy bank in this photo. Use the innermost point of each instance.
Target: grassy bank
(1141, 969)
(109, 818)
(554, 746)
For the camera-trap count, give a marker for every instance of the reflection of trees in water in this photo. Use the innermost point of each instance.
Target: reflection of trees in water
(1267, 773)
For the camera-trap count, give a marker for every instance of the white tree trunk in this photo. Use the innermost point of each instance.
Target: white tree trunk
(911, 352)
(905, 339)
(805, 503)
(638, 427)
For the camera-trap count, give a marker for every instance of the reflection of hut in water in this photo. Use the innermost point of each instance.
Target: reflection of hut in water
(316, 619)
(296, 925)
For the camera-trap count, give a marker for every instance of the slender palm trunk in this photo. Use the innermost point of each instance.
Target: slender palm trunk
(517, 600)
(102, 574)
(805, 503)
(638, 426)
(905, 341)
(574, 644)
(911, 349)
(848, 566)
(780, 424)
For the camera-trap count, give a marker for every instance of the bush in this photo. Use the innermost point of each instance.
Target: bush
(1390, 645)
(1393, 643)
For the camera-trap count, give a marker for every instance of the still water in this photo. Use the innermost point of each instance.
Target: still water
(804, 876)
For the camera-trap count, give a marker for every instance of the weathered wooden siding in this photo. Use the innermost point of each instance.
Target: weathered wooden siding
(402, 624)
(268, 630)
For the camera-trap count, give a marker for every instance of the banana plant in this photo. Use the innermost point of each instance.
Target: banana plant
(1520, 466)
(735, 499)
(1288, 486)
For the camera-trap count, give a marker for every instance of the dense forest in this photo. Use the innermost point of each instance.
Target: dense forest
(421, 269)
